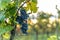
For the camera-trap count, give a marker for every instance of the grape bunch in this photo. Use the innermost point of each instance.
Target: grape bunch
(22, 19)
(24, 27)
(24, 15)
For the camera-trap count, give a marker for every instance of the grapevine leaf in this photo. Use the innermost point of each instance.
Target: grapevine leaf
(4, 3)
(32, 6)
(20, 1)
(2, 16)
(4, 29)
(35, 1)
(10, 8)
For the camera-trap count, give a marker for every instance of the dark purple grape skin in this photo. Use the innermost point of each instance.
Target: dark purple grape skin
(24, 28)
(20, 19)
(24, 15)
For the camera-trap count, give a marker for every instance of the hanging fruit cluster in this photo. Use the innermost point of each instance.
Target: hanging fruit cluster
(22, 19)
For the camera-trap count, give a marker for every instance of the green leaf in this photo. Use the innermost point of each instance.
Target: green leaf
(32, 6)
(12, 13)
(35, 1)
(10, 10)
(4, 3)
(26, 8)
(22, 0)
(4, 29)
(2, 16)
(34, 9)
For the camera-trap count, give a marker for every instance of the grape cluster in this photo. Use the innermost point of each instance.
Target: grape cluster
(22, 19)
(24, 15)
(24, 27)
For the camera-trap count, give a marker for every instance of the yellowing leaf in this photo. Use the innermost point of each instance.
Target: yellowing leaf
(34, 9)
(32, 6)
(28, 30)
(6, 36)
(26, 8)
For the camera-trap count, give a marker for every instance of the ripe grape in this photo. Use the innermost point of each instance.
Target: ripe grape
(19, 20)
(24, 28)
(24, 15)
(22, 19)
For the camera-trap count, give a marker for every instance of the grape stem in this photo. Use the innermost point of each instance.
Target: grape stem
(23, 4)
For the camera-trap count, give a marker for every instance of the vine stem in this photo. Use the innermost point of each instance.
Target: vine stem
(23, 4)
